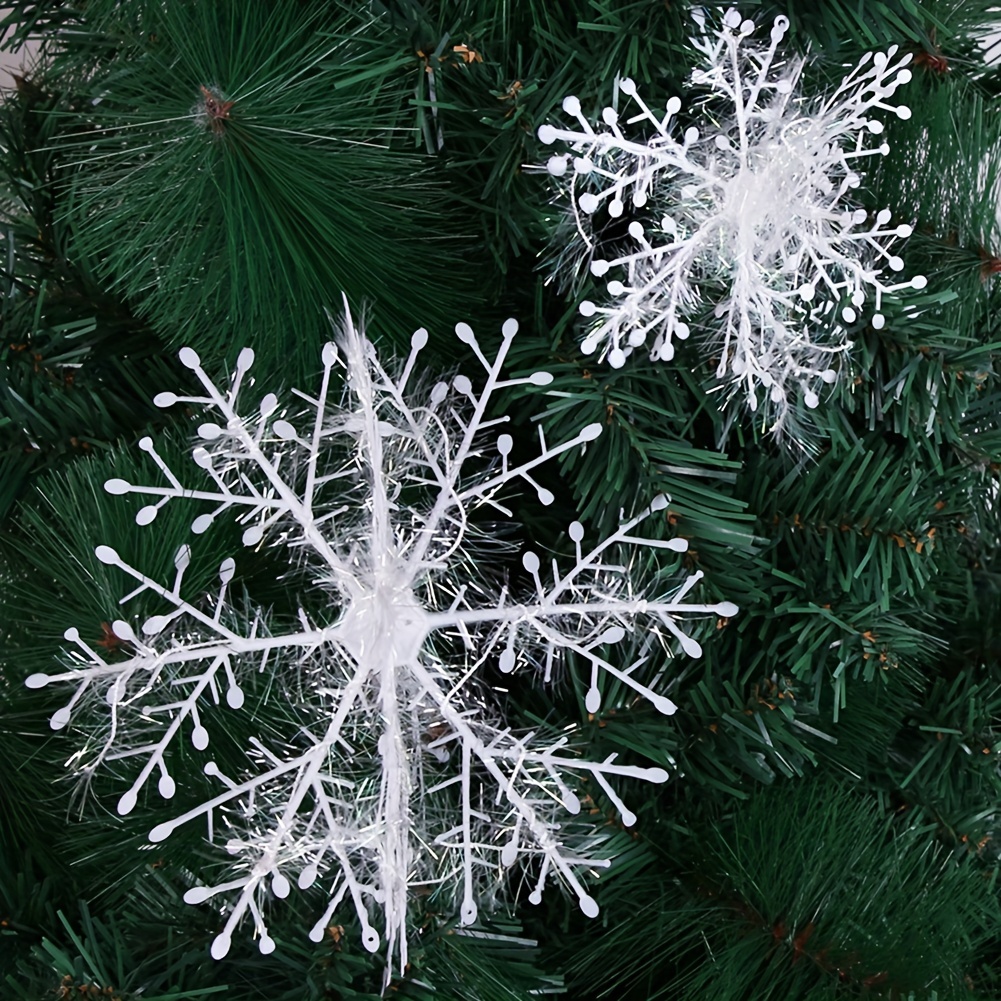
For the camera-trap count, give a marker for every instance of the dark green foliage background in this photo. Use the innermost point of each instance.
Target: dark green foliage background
(832, 827)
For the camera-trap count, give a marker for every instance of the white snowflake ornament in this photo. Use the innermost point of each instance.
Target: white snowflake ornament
(751, 218)
(404, 777)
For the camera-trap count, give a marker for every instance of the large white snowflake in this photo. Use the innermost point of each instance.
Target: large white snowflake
(405, 775)
(751, 220)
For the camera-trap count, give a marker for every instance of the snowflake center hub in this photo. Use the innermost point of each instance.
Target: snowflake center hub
(385, 623)
(755, 199)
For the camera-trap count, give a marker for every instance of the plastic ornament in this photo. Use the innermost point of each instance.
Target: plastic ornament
(750, 220)
(405, 775)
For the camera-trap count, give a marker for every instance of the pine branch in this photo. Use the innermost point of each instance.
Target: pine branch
(77, 369)
(755, 914)
(186, 159)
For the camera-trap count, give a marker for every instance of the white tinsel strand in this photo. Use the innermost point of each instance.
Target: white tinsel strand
(760, 206)
(451, 794)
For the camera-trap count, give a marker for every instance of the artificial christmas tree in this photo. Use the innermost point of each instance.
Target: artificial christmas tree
(408, 688)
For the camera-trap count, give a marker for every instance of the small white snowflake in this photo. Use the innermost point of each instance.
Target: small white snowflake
(404, 776)
(759, 207)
